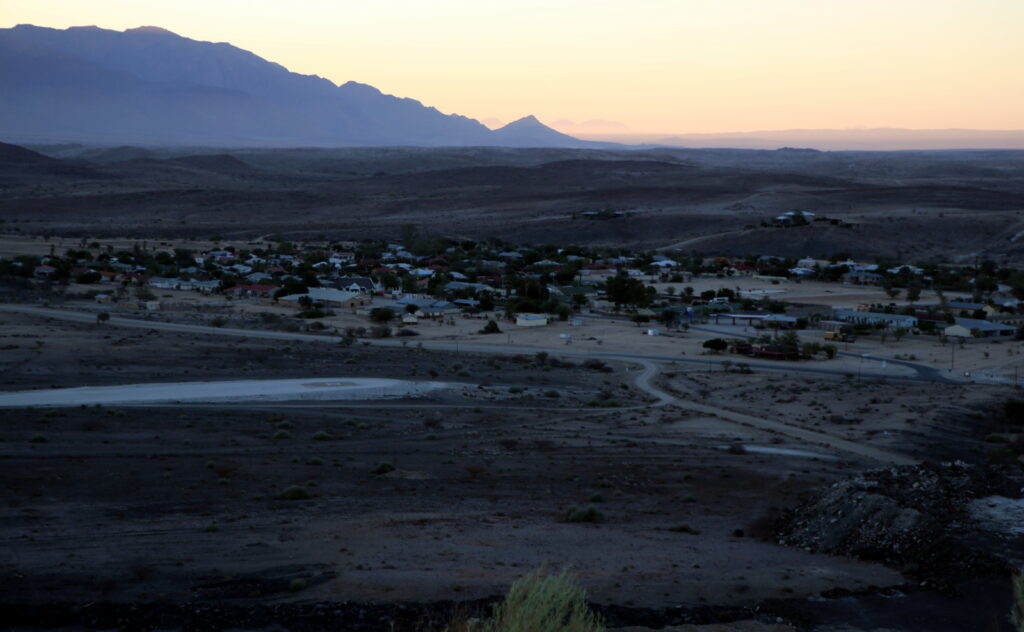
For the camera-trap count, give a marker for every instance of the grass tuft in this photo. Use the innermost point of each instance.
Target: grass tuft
(542, 602)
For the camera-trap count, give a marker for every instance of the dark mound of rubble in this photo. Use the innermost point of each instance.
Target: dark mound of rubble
(912, 517)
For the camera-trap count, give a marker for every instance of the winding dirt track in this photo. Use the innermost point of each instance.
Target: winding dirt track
(645, 381)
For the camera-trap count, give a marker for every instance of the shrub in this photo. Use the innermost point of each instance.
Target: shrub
(717, 345)
(282, 434)
(296, 584)
(515, 390)
(541, 602)
(583, 514)
(383, 468)
(295, 492)
(597, 365)
(406, 332)
(552, 394)
(491, 327)
(38, 439)
(382, 314)
(315, 461)
(219, 322)
(684, 528)
(322, 436)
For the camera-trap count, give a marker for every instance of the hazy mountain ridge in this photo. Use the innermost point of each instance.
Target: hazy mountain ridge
(151, 86)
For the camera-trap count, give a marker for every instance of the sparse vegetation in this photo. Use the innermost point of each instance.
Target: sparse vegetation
(295, 492)
(583, 514)
(542, 602)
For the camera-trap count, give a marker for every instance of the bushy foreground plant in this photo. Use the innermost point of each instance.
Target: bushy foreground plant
(542, 602)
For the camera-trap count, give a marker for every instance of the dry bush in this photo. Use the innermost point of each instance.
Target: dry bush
(541, 602)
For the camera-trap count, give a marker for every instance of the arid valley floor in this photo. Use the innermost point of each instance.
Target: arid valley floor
(688, 491)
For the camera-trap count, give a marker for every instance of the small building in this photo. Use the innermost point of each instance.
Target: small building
(531, 320)
(259, 291)
(875, 319)
(976, 328)
(44, 272)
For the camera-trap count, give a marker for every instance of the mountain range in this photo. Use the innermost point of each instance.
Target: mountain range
(150, 86)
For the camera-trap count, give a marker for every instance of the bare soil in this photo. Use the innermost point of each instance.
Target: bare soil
(180, 504)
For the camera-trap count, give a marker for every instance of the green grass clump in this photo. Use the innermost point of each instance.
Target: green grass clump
(583, 514)
(541, 602)
(295, 492)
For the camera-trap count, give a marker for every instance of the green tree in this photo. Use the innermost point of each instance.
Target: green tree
(716, 345)
(913, 292)
(623, 290)
(382, 314)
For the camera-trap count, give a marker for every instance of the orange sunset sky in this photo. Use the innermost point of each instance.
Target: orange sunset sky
(656, 66)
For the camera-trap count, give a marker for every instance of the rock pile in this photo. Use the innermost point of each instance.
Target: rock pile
(913, 517)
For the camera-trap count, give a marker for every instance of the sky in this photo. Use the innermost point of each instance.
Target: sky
(643, 66)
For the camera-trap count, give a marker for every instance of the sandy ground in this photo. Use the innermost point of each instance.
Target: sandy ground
(994, 360)
(181, 502)
(34, 245)
(474, 502)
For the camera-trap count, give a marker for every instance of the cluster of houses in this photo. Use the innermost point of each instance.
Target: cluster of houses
(453, 277)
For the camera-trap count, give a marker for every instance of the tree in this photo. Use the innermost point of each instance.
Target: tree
(899, 332)
(640, 319)
(102, 317)
(890, 290)
(411, 308)
(623, 290)
(491, 327)
(716, 345)
(669, 317)
(913, 292)
(789, 338)
(382, 314)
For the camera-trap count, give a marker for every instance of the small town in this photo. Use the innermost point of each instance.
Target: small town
(763, 307)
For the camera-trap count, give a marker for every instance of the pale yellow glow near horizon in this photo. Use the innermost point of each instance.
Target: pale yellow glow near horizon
(657, 66)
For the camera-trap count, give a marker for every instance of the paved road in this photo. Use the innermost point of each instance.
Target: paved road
(644, 381)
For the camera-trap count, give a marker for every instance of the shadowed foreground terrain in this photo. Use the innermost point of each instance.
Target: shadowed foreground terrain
(946, 205)
(314, 515)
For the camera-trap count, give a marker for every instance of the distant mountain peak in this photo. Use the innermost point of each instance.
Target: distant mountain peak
(155, 30)
(148, 85)
(527, 121)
